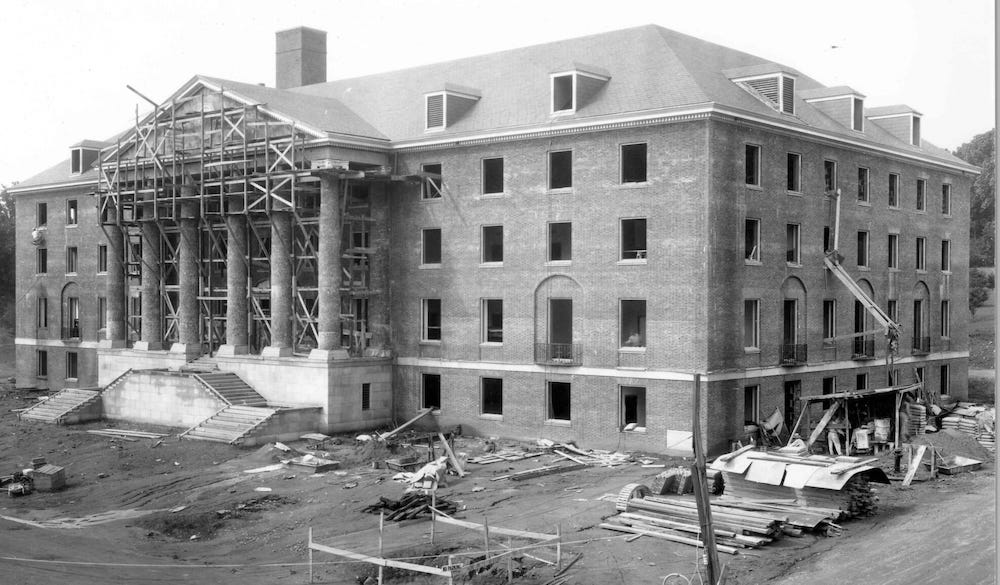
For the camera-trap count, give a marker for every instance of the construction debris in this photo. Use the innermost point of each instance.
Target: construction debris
(410, 506)
(123, 434)
(973, 419)
(505, 455)
(539, 471)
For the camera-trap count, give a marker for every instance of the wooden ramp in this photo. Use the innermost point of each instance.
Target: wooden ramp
(62, 407)
(230, 425)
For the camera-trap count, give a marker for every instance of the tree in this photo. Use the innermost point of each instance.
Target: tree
(7, 230)
(982, 207)
(979, 284)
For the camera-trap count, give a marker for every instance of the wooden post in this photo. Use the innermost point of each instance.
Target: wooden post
(486, 536)
(558, 547)
(510, 553)
(433, 513)
(381, 525)
(310, 554)
(701, 490)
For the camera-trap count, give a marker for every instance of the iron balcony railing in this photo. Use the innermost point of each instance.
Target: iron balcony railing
(71, 332)
(921, 345)
(793, 354)
(864, 348)
(559, 354)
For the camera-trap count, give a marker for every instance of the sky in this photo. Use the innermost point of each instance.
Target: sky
(64, 65)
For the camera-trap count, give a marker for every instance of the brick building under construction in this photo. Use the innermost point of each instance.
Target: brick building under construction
(550, 241)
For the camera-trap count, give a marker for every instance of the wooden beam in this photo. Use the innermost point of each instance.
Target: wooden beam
(735, 453)
(451, 455)
(379, 561)
(446, 519)
(914, 464)
(422, 414)
(673, 538)
(822, 423)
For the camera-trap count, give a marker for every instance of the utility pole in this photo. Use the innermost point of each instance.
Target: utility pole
(701, 490)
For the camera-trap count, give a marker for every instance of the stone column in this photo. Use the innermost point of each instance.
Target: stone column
(151, 336)
(117, 331)
(237, 332)
(189, 338)
(281, 286)
(329, 269)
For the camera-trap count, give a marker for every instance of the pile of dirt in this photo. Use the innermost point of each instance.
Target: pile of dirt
(204, 524)
(950, 442)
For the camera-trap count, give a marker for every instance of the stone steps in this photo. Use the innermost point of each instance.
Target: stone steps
(231, 388)
(230, 425)
(60, 405)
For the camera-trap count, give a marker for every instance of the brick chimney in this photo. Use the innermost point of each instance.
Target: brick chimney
(300, 57)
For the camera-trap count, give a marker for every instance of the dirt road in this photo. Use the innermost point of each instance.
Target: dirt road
(952, 540)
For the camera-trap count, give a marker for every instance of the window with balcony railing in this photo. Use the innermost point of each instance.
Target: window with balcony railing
(559, 354)
(921, 345)
(793, 354)
(864, 348)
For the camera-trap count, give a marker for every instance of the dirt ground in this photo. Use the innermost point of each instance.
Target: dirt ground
(113, 522)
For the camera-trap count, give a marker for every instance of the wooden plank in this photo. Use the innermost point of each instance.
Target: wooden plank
(735, 453)
(665, 536)
(570, 457)
(422, 414)
(442, 517)
(914, 464)
(822, 423)
(379, 561)
(842, 468)
(451, 455)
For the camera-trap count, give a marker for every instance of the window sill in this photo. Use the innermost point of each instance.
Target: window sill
(430, 342)
(794, 193)
(560, 191)
(920, 211)
(71, 274)
(893, 269)
(753, 187)
(793, 264)
(71, 379)
(559, 263)
(829, 344)
(636, 185)
(102, 273)
(42, 377)
(630, 349)
(946, 215)
(894, 208)
(435, 412)
(491, 344)
(496, 417)
(921, 271)
(948, 272)
(500, 195)
(748, 262)
(632, 262)
(864, 269)
(429, 199)
(491, 264)
(72, 225)
(751, 350)
(429, 266)
(554, 422)
(636, 430)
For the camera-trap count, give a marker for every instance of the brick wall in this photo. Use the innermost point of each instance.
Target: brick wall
(55, 285)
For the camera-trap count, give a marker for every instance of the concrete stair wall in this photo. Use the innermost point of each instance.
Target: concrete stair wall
(69, 406)
(230, 425)
(231, 388)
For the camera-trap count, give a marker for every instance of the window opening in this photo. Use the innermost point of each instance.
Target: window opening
(830, 175)
(633, 157)
(562, 93)
(752, 165)
(893, 251)
(862, 249)
(432, 320)
(492, 398)
(430, 187)
(492, 243)
(493, 320)
(559, 401)
(560, 241)
(792, 243)
(633, 239)
(793, 172)
(561, 169)
(893, 190)
(492, 176)
(633, 408)
(633, 323)
(366, 396)
(431, 391)
(431, 246)
(751, 324)
(862, 185)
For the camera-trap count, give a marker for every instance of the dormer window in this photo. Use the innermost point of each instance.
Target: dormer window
(775, 90)
(843, 104)
(83, 155)
(574, 88)
(444, 108)
(901, 121)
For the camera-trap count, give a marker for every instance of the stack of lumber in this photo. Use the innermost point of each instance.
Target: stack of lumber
(539, 471)
(737, 522)
(504, 455)
(409, 507)
(124, 434)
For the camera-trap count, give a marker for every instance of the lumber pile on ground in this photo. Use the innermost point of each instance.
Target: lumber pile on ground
(409, 506)
(539, 471)
(592, 457)
(504, 455)
(738, 523)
